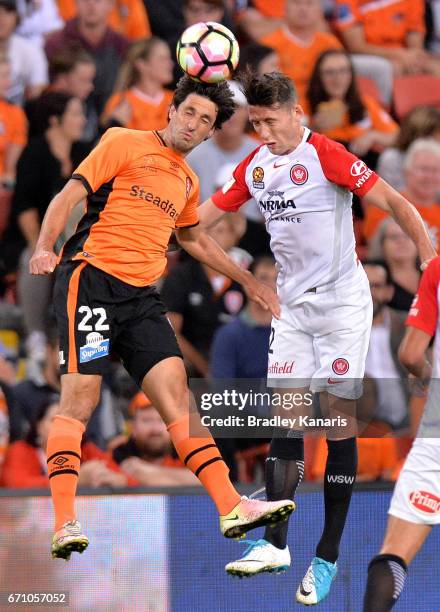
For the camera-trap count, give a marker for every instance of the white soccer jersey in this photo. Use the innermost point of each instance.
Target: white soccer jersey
(305, 197)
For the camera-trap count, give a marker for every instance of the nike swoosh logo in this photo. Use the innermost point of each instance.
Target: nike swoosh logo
(330, 381)
(303, 591)
(232, 518)
(279, 165)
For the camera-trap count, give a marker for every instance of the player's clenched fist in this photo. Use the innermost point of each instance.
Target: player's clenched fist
(43, 262)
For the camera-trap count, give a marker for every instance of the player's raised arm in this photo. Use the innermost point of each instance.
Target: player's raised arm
(203, 248)
(44, 259)
(209, 214)
(388, 199)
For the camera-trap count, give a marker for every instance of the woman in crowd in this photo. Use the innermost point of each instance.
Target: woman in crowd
(25, 462)
(140, 101)
(338, 109)
(45, 165)
(391, 245)
(421, 122)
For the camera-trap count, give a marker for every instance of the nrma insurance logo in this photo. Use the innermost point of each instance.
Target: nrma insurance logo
(96, 346)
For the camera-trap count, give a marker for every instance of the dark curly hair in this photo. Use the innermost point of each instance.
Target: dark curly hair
(267, 89)
(317, 94)
(220, 94)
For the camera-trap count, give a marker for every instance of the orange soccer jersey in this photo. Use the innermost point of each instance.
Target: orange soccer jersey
(385, 23)
(430, 215)
(274, 8)
(296, 59)
(128, 17)
(139, 191)
(13, 129)
(146, 113)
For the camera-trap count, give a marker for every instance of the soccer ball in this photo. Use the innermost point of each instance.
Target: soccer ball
(208, 52)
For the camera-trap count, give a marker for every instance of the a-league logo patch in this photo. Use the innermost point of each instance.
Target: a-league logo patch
(299, 174)
(340, 366)
(257, 177)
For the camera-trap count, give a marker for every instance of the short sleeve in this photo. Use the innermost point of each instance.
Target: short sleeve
(190, 215)
(18, 134)
(342, 167)
(235, 192)
(423, 313)
(416, 15)
(105, 161)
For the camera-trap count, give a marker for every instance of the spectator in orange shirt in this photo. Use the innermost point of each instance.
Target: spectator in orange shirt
(341, 112)
(394, 30)
(299, 43)
(260, 18)
(13, 128)
(422, 188)
(128, 17)
(25, 461)
(147, 454)
(140, 101)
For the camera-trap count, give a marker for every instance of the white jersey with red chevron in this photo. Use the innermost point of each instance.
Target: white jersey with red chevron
(305, 197)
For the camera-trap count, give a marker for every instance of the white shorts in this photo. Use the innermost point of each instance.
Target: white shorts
(321, 340)
(416, 496)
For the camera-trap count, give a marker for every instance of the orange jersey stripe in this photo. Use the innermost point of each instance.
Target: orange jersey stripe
(72, 300)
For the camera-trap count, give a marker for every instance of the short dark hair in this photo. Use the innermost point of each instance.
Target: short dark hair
(267, 89)
(50, 104)
(251, 56)
(66, 60)
(220, 94)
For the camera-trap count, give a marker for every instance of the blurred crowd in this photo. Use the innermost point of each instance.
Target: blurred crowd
(367, 74)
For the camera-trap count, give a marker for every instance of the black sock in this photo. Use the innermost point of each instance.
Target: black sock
(339, 478)
(284, 472)
(386, 578)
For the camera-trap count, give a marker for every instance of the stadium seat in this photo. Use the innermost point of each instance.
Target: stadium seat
(411, 91)
(368, 87)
